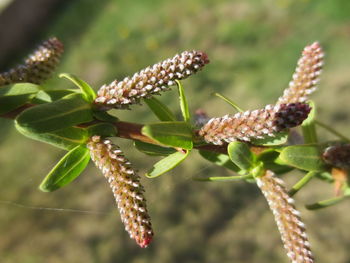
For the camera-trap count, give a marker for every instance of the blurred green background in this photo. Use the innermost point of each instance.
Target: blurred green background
(253, 47)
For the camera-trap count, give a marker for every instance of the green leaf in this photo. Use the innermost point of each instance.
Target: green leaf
(68, 111)
(241, 155)
(10, 103)
(219, 159)
(88, 92)
(67, 169)
(175, 134)
(278, 139)
(102, 129)
(304, 157)
(12, 97)
(268, 157)
(67, 138)
(160, 110)
(183, 102)
(229, 101)
(308, 125)
(51, 95)
(154, 150)
(166, 164)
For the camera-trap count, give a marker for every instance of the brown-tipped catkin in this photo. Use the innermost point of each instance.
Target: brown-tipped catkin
(306, 75)
(289, 224)
(255, 124)
(126, 187)
(38, 67)
(151, 80)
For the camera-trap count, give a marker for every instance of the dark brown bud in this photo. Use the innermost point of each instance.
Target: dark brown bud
(151, 80)
(338, 156)
(126, 187)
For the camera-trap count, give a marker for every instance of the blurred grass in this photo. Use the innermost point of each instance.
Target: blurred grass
(253, 46)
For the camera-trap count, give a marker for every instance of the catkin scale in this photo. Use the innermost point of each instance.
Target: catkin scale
(290, 226)
(151, 80)
(126, 187)
(38, 67)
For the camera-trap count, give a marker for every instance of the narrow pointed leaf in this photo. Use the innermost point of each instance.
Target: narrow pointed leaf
(229, 101)
(241, 155)
(66, 139)
(88, 92)
(175, 134)
(304, 157)
(68, 111)
(183, 102)
(67, 169)
(166, 164)
(277, 139)
(160, 110)
(219, 159)
(308, 125)
(152, 149)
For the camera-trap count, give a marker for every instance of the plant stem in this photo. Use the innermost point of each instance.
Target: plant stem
(302, 182)
(326, 203)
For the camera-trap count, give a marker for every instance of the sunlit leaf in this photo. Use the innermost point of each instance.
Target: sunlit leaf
(159, 109)
(88, 92)
(183, 102)
(305, 157)
(152, 149)
(229, 101)
(219, 159)
(308, 125)
(175, 134)
(67, 138)
(277, 139)
(68, 111)
(166, 164)
(67, 169)
(241, 155)
(14, 96)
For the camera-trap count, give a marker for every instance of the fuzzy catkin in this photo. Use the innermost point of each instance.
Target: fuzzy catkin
(151, 80)
(126, 187)
(257, 124)
(38, 67)
(306, 75)
(289, 224)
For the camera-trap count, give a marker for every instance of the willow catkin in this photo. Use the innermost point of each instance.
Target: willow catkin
(151, 80)
(255, 124)
(38, 67)
(289, 224)
(126, 187)
(306, 75)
